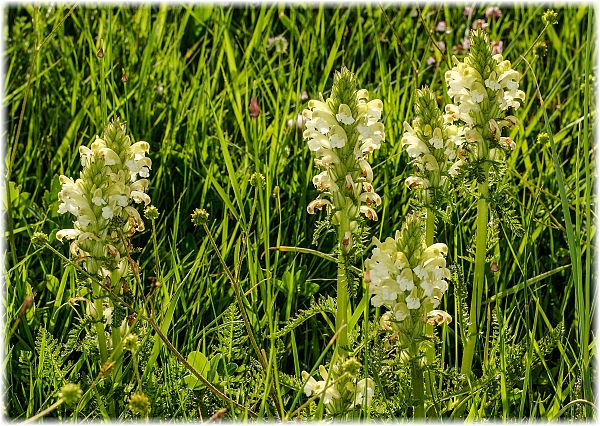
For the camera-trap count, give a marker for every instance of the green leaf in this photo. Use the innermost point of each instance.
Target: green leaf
(201, 363)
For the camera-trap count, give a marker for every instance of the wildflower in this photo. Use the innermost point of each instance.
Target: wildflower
(430, 60)
(365, 389)
(433, 142)
(484, 87)
(70, 393)
(279, 42)
(348, 116)
(407, 277)
(468, 11)
(100, 53)
(550, 17)
(437, 317)
(112, 180)
(441, 27)
(442, 46)
(493, 12)
(199, 217)
(480, 24)
(497, 47)
(341, 388)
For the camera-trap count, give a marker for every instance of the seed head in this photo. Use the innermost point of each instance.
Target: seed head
(543, 138)
(257, 180)
(100, 53)
(199, 217)
(131, 342)
(139, 403)
(151, 212)
(39, 239)
(70, 393)
(550, 17)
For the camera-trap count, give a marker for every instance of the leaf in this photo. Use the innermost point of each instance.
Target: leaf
(201, 363)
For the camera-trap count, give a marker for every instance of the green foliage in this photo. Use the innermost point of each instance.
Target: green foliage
(191, 72)
(323, 306)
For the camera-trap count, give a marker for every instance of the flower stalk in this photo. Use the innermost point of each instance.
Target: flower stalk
(408, 277)
(342, 131)
(484, 87)
(112, 179)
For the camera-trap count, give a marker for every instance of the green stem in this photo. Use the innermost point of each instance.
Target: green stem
(99, 324)
(429, 227)
(116, 343)
(417, 386)
(240, 303)
(103, 91)
(45, 412)
(479, 276)
(430, 351)
(341, 315)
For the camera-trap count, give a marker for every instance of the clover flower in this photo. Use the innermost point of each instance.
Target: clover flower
(484, 89)
(407, 277)
(102, 199)
(340, 388)
(342, 131)
(435, 146)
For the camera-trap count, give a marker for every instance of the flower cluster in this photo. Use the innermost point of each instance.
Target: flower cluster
(484, 87)
(435, 146)
(408, 277)
(340, 389)
(112, 179)
(342, 131)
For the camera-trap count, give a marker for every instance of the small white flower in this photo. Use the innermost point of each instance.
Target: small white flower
(344, 115)
(413, 302)
(107, 212)
(365, 389)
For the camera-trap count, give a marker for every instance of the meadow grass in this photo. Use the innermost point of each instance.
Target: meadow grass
(191, 73)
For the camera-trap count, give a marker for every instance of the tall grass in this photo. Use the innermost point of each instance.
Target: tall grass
(192, 71)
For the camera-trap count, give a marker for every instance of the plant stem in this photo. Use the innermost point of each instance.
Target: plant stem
(98, 322)
(479, 275)
(430, 351)
(45, 412)
(195, 372)
(315, 253)
(417, 386)
(429, 227)
(341, 315)
(239, 300)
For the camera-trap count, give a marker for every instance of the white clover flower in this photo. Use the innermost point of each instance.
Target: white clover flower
(102, 200)
(347, 116)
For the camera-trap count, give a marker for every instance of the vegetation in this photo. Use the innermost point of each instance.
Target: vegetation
(230, 292)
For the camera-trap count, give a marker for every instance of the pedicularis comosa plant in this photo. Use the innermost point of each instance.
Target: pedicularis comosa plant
(103, 198)
(342, 131)
(485, 90)
(454, 150)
